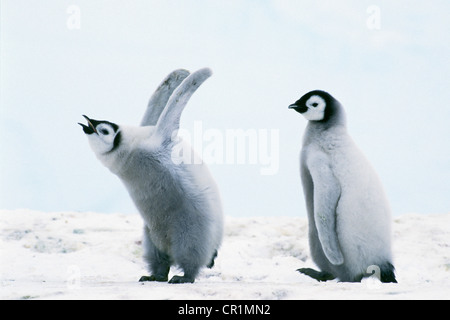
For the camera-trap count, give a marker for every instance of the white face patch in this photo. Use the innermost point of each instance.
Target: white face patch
(316, 108)
(103, 141)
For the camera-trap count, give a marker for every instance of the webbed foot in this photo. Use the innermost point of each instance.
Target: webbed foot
(153, 278)
(211, 263)
(182, 279)
(318, 275)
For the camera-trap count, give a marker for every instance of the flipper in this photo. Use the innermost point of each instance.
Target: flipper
(327, 192)
(162, 94)
(169, 121)
(318, 275)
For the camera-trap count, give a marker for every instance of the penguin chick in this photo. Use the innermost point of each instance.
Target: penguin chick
(348, 213)
(178, 201)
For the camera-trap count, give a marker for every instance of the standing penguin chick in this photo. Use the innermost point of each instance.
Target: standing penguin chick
(348, 213)
(178, 200)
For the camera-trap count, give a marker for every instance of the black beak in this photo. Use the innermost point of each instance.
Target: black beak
(90, 128)
(300, 109)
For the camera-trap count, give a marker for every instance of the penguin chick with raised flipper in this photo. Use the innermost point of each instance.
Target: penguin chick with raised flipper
(178, 200)
(348, 212)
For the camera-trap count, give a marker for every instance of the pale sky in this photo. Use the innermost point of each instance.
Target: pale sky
(387, 62)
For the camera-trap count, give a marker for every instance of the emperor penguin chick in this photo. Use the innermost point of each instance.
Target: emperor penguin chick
(348, 213)
(176, 196)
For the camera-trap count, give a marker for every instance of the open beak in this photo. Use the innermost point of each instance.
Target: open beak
(90, 128)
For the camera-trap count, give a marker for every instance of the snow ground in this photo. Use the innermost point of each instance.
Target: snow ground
(72, 255)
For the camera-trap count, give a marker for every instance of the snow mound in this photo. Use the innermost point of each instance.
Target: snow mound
(71, 255)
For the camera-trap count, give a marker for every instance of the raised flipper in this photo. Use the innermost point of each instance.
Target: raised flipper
(326, 196)
(162, 94)
(169, 121)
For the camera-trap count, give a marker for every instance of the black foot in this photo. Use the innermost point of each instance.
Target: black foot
(153, 278)
(181, 279)
(387, 273)
(211, 263)
(318, 275)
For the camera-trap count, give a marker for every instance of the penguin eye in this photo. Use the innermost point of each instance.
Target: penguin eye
(315, 104)
(104, 132)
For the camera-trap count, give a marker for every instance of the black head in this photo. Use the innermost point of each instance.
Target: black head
(104, 136)
(318, 106)
(94, 126)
